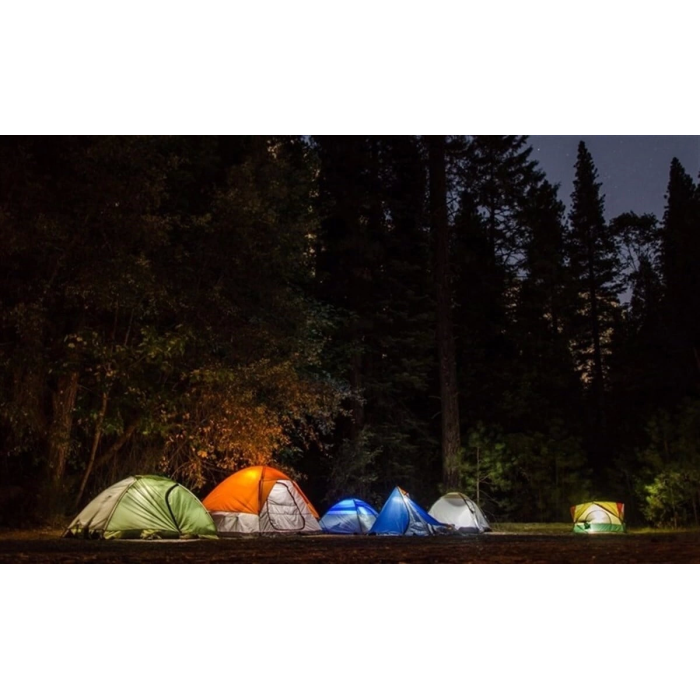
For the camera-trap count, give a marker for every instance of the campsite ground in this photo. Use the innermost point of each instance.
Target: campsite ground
(510, 544)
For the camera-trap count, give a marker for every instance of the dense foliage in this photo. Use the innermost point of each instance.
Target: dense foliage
(361, 311)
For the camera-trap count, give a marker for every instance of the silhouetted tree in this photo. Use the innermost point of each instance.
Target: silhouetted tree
(680, 257)
(372, 267)
(451, 441)
(175, 333)
(594, 269)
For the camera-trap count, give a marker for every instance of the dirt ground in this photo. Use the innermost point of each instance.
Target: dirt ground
(46, 546)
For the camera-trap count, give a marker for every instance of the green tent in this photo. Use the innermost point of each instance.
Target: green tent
(143, 507)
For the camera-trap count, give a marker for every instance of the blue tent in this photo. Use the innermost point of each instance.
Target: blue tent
(351, 516)
(401, 516)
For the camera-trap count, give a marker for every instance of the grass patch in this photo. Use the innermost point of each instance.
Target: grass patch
(661, 530)
(533, 528)
(567, 528)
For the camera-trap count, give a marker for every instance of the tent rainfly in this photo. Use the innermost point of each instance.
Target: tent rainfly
(462, 513)
(599, 516)
(351, 516)
(143, 507)
(261, 500)
(402, 516)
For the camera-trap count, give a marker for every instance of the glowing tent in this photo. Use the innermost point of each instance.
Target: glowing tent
(260, 500)
(402, 516)
(599, 516)
(351, 516)
(456, 509)
(143, 507)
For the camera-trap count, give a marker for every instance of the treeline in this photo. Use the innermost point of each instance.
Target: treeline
(363, 311)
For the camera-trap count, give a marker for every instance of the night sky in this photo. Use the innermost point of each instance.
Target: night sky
(633, 169)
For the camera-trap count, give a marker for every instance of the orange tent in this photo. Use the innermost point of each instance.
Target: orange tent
(261, 499)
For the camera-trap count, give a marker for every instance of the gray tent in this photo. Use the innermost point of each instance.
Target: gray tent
(456, 509)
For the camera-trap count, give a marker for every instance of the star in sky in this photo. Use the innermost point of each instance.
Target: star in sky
(633, 170)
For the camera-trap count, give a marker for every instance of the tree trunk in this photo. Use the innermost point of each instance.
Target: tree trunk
(598, 374)
(95, 444)
(121, 441)
(478, 478)
(63, 403)
(443, 298)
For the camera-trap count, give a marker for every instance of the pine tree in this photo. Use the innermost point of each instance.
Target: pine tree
(680, 256)
(496, 178)
(640, 373)
(499, 172)
(373, 267)
(594, 270)
(546, 384)
(451, 441)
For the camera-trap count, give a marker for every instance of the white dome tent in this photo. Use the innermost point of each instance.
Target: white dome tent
(456, 509)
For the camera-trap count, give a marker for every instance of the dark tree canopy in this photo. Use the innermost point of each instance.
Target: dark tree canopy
(362, 312)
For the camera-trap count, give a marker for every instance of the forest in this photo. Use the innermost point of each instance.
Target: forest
(362, 312)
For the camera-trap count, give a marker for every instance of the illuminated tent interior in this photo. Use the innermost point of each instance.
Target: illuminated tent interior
(261, 500)
(402, 516)
(143, 507)
(456, 509)
(351, 516)
(599, 516)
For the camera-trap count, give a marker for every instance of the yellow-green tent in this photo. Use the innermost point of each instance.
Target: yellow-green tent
(146, 507)
(599, 516)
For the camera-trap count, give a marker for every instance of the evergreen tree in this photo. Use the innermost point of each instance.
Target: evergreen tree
(639, 363)
(498, 171)
(639, 371)
(405, 317)
(546, 386)
(449, 411)
(594, 270)
(372, 255)
(497, 180)
(680, 256)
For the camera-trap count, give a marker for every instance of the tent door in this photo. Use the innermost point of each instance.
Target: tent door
(599, 515)
(282, 510)
(170, 510)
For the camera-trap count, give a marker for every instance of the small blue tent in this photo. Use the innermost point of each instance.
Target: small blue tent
(351, 516)
(401, 516)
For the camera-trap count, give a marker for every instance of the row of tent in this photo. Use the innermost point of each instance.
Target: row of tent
(403, 516)
(264, 500)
